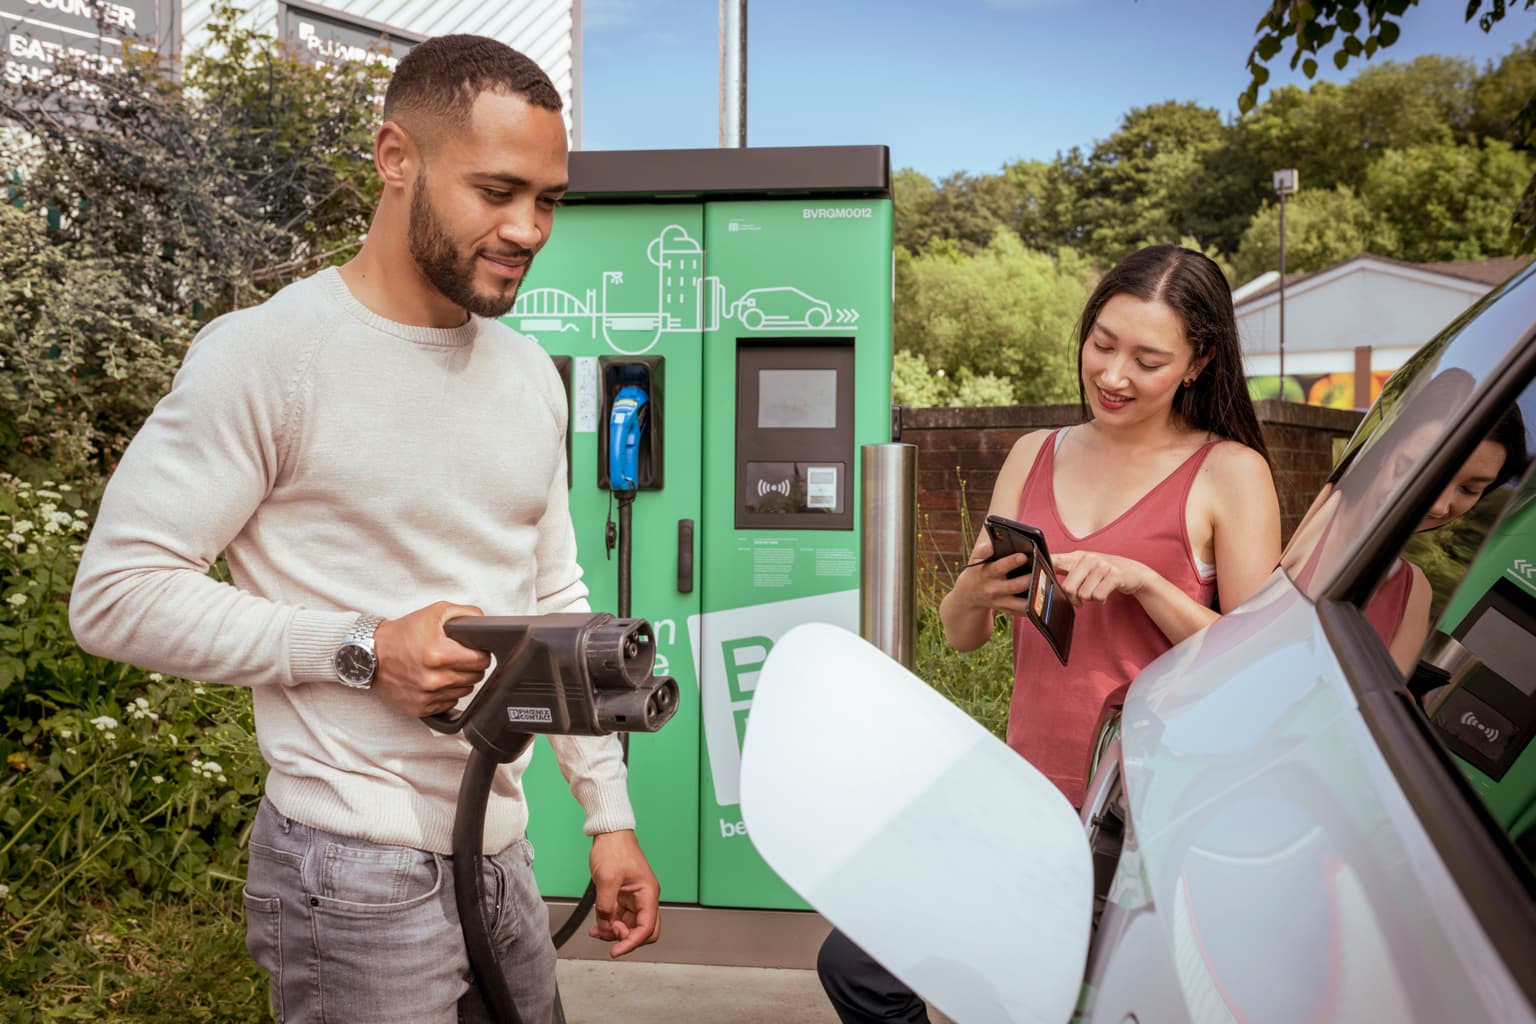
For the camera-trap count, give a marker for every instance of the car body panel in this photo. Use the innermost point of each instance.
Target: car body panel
(1251, 781)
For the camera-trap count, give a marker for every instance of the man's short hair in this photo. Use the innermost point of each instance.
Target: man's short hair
(439, 80)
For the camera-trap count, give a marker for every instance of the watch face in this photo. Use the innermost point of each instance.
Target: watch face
(354, 663)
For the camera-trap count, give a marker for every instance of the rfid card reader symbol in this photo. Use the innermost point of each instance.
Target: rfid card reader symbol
(764, 488)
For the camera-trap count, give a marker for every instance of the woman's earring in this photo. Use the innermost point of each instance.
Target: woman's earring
(1189, 381)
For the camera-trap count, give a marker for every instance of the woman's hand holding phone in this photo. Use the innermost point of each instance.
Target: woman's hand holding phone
(987, 583)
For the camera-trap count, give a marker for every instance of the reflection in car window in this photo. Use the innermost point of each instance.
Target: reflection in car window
(1419, 405)
(1412, 415)
(1477, 680)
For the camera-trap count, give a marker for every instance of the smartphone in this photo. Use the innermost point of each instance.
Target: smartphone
(1014, 538)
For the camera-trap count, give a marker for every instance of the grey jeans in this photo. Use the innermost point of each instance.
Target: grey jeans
(353, 931)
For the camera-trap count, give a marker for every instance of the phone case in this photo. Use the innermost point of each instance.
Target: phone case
(1010, 538)
(1050, 610)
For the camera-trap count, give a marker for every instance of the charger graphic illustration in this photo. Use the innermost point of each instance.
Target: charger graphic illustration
(572, 674)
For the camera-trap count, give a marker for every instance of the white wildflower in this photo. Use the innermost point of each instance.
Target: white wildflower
(5, 890)
(47, 509)
(157, 779)
(15, 538)
(81, 513)
(65, 488)
(24, 526)
(16, 600)
(50, 495)
(106, 723)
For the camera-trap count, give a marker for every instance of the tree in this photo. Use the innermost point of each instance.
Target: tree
(1321, 229)
(1500, 93)
(963, 209)
(1135, 186)
(1360, 29)
(1007, 312)
(1447, 202)
(145, 204)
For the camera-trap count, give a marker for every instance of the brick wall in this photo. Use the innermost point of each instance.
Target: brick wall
(959, 452)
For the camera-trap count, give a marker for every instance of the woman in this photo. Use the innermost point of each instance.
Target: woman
(1155, 508)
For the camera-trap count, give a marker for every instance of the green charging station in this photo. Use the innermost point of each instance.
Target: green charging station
(746, 294)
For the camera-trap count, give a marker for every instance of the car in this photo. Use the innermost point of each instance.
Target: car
(1285, 821)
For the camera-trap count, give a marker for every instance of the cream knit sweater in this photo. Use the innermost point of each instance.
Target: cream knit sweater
(345, 464)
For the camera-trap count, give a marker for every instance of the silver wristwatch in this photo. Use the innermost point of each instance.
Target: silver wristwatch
(355, 660)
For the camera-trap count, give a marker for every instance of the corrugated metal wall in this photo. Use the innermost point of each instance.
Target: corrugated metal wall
(546, 30)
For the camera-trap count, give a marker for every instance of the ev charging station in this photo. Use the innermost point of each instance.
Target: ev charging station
(722, 321)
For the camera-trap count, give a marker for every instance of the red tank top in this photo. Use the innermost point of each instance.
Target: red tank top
(1055, 709)
(1386, 608)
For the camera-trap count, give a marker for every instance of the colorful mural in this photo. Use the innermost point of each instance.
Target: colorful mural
(1333, 390)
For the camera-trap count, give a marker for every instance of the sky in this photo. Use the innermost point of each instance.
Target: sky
(948, 85)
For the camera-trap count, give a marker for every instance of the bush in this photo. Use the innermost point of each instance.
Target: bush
(147, 204)
(115, 779)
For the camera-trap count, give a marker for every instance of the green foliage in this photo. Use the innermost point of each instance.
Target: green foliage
(1136, 185)
(146, 204)
(82, 358)
(1007, 312)
(1361, 28)
(1321, 228)
(915, 384)
(131, 962)
(115, 779)
(979, 682)
(1448, 202)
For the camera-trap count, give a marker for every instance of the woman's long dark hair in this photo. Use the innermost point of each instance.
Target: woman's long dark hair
(1192, 286)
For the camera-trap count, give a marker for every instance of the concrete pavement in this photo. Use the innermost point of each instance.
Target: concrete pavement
(637, 992)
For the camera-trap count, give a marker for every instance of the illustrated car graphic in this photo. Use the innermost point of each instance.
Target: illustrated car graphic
(782, 306)
(1285, 822)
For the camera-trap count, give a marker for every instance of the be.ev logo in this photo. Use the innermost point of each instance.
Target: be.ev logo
(729, 650)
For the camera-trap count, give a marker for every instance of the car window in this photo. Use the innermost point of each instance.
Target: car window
(1476, 680)
(1419, 407)
(1455, 604)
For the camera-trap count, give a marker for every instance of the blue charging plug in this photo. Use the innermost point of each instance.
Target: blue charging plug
(626, 421)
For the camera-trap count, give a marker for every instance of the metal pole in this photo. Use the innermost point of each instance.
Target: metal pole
(733, 74)
(1282, 297)
(888, 548)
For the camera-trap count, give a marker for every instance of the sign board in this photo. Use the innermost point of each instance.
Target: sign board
(39, 35)
(333, 37)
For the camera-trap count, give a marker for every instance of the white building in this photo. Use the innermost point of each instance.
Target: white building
(1366, 312)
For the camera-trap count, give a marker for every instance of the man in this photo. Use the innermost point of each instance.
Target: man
(375, 459)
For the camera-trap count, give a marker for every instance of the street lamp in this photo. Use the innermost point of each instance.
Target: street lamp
(1286, 183)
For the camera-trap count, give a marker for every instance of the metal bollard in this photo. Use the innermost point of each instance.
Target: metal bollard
(888, 548)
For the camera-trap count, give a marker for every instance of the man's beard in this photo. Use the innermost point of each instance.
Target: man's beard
(442, 265)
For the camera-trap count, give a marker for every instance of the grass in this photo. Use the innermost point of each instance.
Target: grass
(170, 960)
